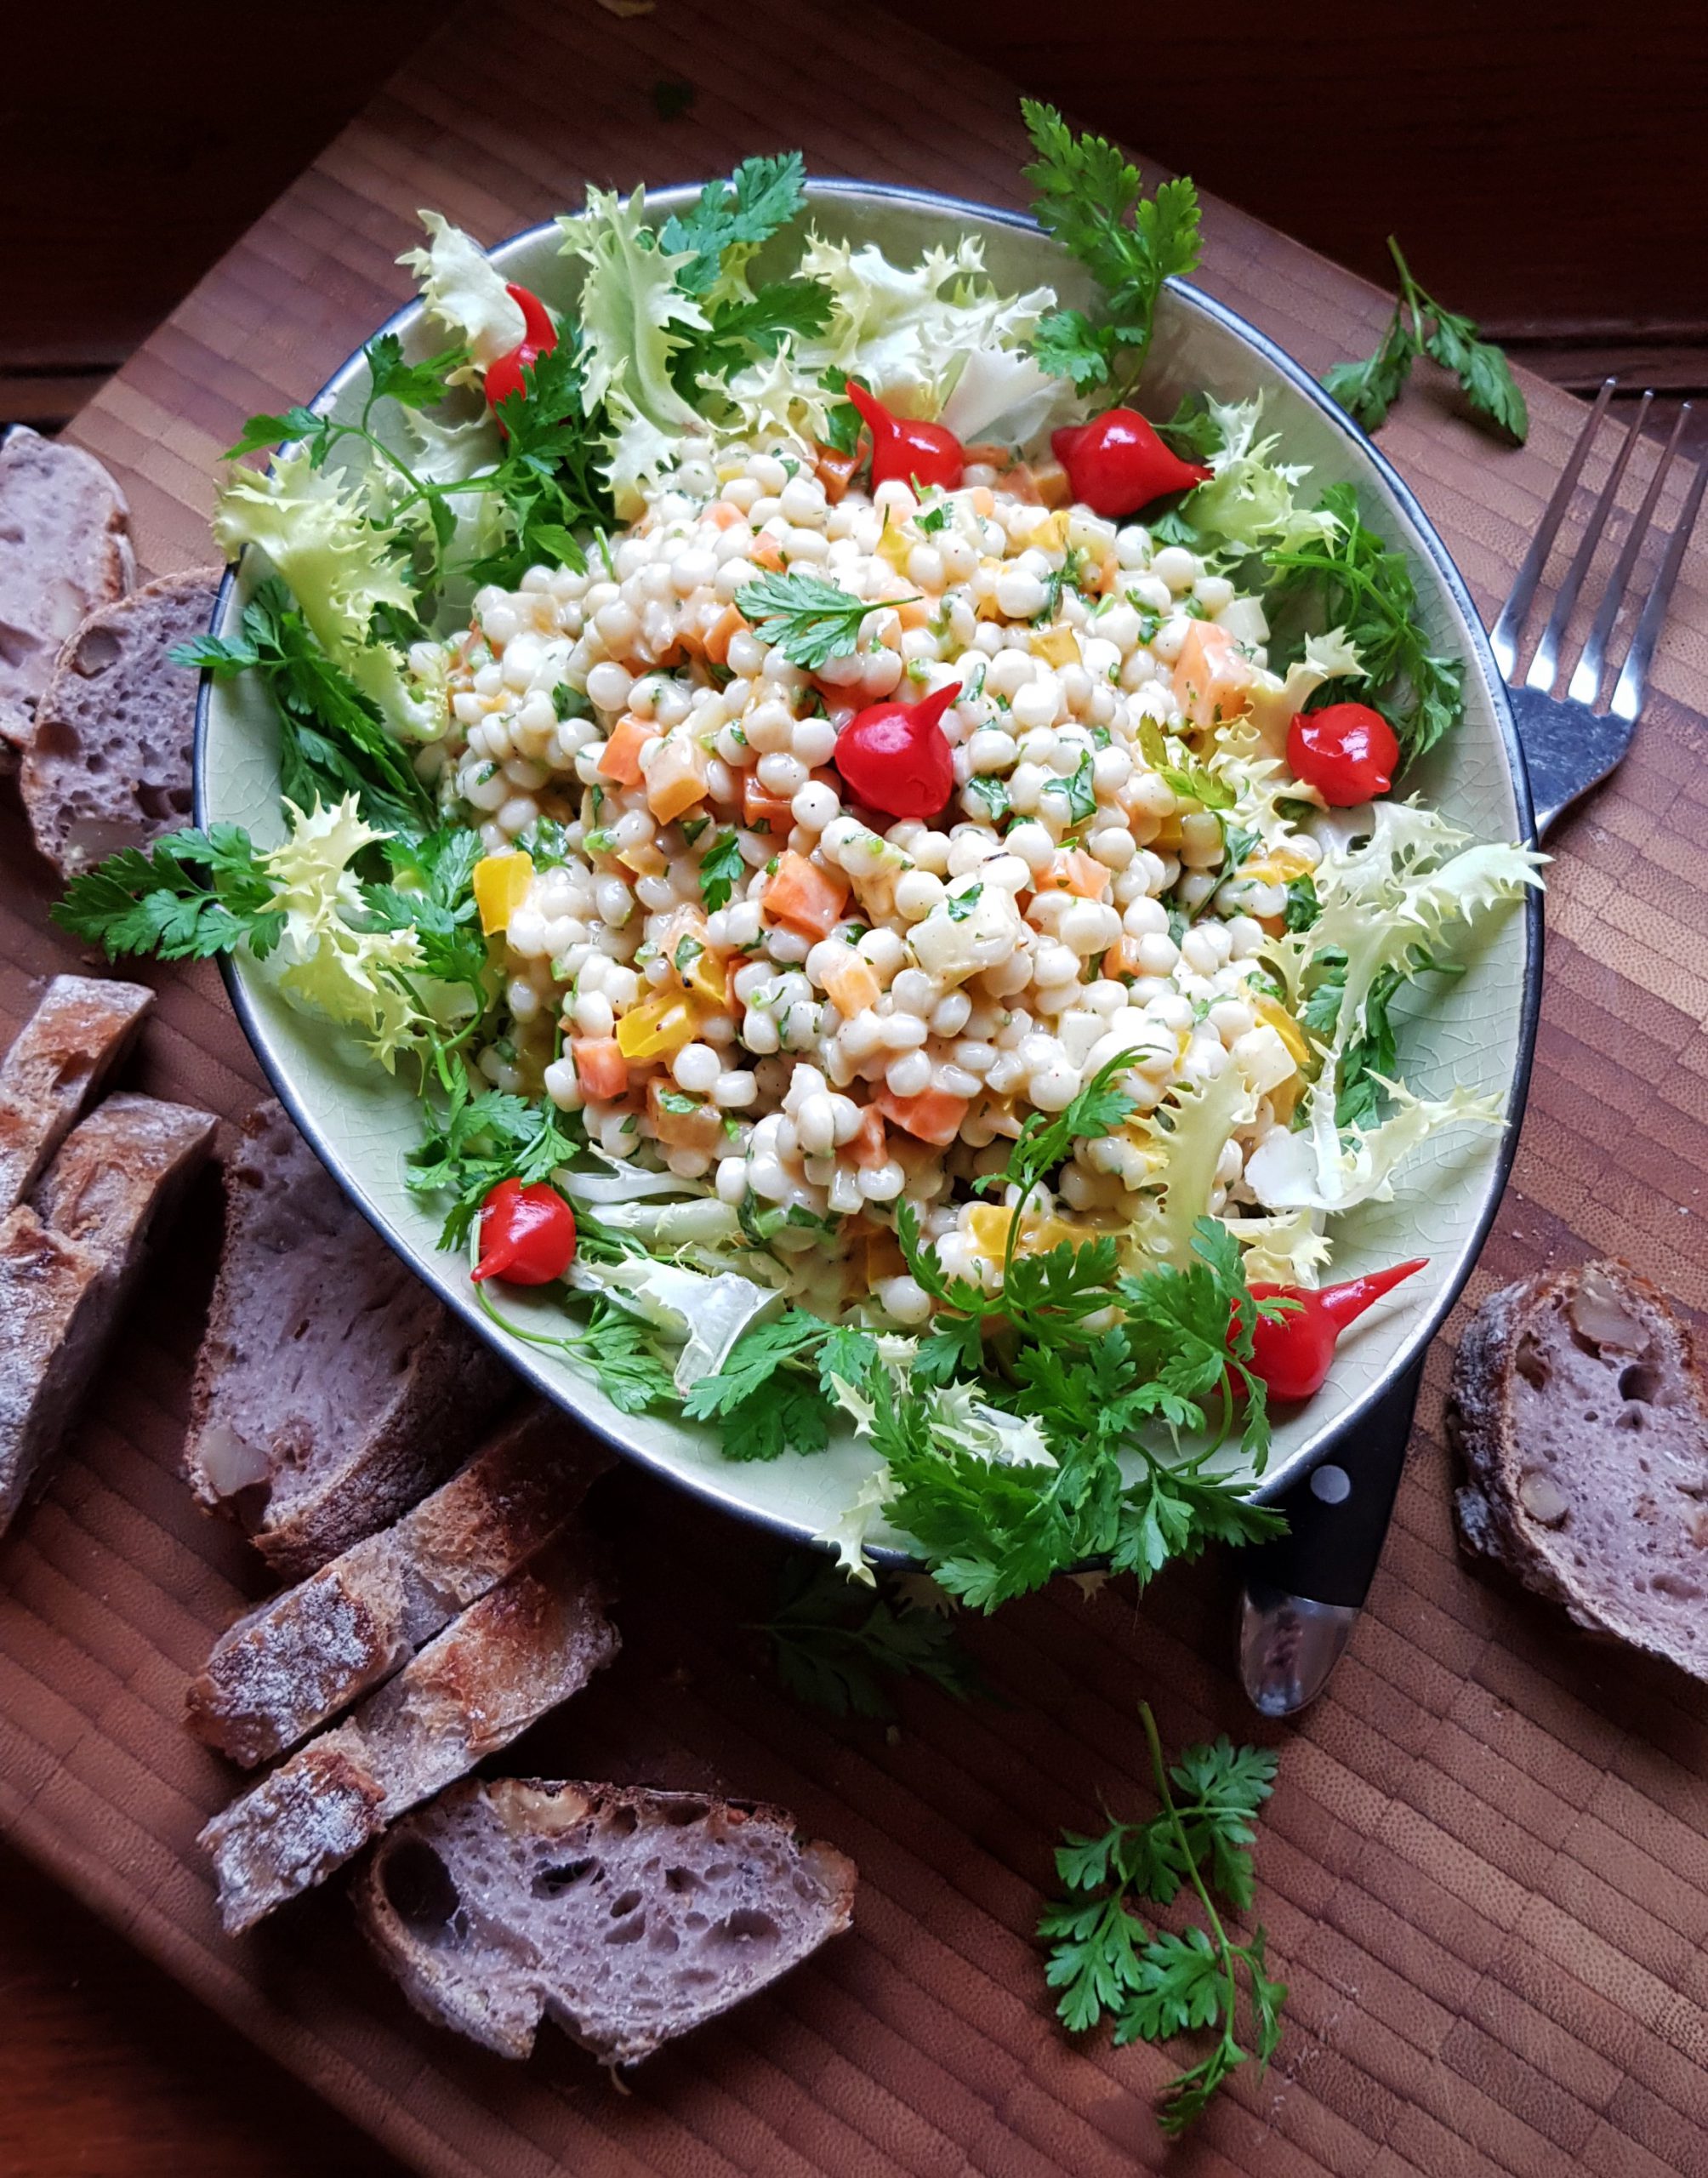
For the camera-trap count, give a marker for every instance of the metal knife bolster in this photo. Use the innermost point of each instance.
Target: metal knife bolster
(1304, 1592)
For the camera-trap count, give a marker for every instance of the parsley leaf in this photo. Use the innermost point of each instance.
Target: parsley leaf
(1364, 585)
(1106, 1964)
(332, 740)
(1191, 780)
(779, 311)
(190, 896)
(833, 1645)
(810, 619)
(1368, 390)
(734, 216)
(1089, 198)
(721, 867)
(478, 1139)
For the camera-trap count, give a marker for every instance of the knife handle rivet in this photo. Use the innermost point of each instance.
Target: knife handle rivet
(1331, 1484)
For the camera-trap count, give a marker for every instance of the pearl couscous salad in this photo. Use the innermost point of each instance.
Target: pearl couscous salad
(889, 866)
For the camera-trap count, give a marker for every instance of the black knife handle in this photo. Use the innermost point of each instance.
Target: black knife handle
(1338, 1515)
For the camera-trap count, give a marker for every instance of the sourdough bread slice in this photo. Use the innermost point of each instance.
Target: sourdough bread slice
(68, 1261)
(65, 550)
(108, 764)
(58, 1061)
(284, 1668)
(333, 1389)
(527, 1644)
(1584, 1427)
(627, 1914)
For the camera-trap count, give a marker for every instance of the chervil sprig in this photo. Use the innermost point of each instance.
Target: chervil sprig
(1108, 1964)
(1419, 325)
(834, 1644)
(811, 620)
(1091, 198)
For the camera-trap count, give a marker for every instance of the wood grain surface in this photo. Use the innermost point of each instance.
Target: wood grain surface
(1484, 1873)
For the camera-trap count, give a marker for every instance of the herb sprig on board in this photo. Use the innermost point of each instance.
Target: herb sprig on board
(1421, 325)
(1153, 1984)
(836, 1646)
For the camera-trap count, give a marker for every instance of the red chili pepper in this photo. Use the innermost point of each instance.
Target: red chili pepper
(1292, 1352)
(539, 337)
(1346, 751)
(1117, 464)
(895, 758)
(904, 452)
(527, 1235)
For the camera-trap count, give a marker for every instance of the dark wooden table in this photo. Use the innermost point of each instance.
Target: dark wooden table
(1484, 1874)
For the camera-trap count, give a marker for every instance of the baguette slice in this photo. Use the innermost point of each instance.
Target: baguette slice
(527, 1644)
(284, 1668)
(108, 764)
(333, 1389)
(63, 525)
(58, 1061)
(68, 1261)
(1584, 1427)
(629, 1915)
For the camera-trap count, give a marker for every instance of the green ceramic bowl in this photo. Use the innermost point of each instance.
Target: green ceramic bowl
(1478, 1029)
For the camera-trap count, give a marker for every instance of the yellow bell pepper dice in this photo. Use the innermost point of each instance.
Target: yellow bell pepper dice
(1056, 646)
(501, 885)
(1285, 1027)
(658, 1028)
(708, 978)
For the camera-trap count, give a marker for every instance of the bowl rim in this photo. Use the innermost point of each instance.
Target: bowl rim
(437, 1270)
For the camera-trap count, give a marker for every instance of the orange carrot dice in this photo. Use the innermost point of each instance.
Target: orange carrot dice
(621, 759)
(599, 1068)
(933, 1116)
(805, 897)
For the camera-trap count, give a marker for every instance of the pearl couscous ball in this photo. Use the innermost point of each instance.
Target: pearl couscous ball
(730, 967)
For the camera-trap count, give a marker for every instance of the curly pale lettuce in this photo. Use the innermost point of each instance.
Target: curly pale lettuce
(360, 980)
(935, 340)
(340, 567)
(464, 290)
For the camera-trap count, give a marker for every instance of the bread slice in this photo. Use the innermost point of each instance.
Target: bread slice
(68, 1262)
(58, 1061)
(283, 1669)
(629, 1915)
(1584, 1426)
(108, 764)
(65, 550)
(527, 1644)
(333, 1388)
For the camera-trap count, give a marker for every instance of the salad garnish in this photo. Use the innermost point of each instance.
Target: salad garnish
(1419, 325)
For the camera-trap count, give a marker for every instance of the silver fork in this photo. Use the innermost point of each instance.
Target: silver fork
(1569, 746)
(1303, 1595)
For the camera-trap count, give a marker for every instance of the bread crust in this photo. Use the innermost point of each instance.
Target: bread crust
(1493, 1521)
(308, 1299)
(108, 766)
(287, 1667)
(524, 1647)
(451, 1903)
(80, 1028)
(69, 1262)
(76, 556)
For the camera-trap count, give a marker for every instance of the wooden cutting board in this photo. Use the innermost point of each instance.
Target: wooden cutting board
(1484, 1874)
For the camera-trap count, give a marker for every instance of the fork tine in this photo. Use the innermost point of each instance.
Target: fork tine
(1503, 638)
(1586, 685)
(1627, 695)
(1545, 665)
